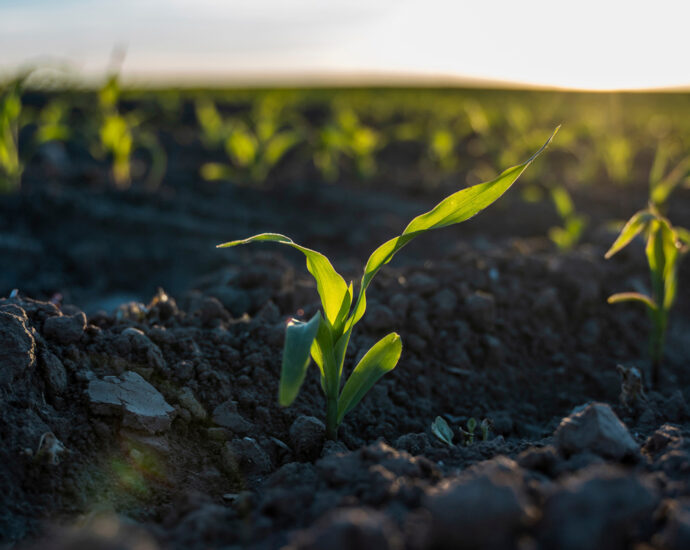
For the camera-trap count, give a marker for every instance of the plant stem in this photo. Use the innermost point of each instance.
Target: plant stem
(331, 418)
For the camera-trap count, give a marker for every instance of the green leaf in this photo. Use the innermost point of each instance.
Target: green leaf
(456, 208)
(381, 358)
(632, 228)
(323, 353)
(662, 189)
(562, 201)
(442, 431)
(632, 297)
(298, 340)
(330, 285)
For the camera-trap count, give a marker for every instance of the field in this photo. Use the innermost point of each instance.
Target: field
(140, 365)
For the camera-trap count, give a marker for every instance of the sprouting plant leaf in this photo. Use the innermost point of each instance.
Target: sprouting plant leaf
(663, 250)
(456, 208)
(442, 431)
(328, 336)
(380, 359)
(299, 337)
(632, 228)
(564, 204)
(632, 297)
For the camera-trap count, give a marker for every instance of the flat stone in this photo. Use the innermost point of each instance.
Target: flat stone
(141, 405)
(595, 427)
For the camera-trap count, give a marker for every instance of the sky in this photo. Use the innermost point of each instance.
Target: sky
(588, 44)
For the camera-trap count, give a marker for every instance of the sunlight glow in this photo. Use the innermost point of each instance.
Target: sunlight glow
(586, 45)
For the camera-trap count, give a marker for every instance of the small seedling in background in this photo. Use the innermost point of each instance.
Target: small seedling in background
(485, 427)
(254, 146)
(10, 109)
(214, 130)
(327, 335)
(574, 224)
(442, 431)
(51, 123)
(665, 246)
(121, 134)
(469, 433)
(346, 137)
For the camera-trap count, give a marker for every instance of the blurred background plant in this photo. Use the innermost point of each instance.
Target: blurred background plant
(119, 135)
(10, 111)
(254, 143)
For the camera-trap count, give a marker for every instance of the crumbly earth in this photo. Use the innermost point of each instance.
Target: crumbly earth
(138, 418)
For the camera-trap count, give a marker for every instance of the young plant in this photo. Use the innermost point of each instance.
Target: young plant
(574, 224)
(325, 337)
(120, 135)
(665, 246)
(254, 146)
(345, 137)
(442, 431)
(10, 109)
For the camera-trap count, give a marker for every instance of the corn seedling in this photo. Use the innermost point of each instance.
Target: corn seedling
(254, 147)
(665, 246)
(121, 134)
(442, 431)
(567, 236)
(346, 137)
(52, 123)
(10, 109)
(214, 130)
(325, 337)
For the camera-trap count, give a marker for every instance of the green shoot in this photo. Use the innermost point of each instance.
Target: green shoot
(10, 109)
(326, 336)
(346, 137)
(471, 427)
(574, 224)
(254, 147)
(442, 431)
(121, 134)
(665, 246)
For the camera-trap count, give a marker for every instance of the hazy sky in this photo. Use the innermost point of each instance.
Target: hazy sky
(586, 44)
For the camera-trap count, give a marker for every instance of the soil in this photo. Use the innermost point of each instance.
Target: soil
(134, 417)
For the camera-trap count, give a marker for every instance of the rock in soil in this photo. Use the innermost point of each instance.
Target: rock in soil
(307, 435)
(142, 407)
(595, 427)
